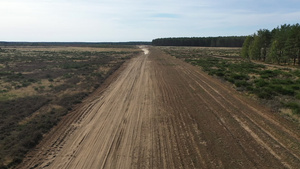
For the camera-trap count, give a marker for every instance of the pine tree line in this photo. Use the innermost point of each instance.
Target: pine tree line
(228, 41)
(281, 45)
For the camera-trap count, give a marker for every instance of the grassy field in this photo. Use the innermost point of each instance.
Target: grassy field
(39, 85)
(275, 86)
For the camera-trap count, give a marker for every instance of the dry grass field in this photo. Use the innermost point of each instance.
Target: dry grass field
(40, 84)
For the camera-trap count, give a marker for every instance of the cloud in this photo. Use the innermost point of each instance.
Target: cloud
(165, 15)
(116, 20)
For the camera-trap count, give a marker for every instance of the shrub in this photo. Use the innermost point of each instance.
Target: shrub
(294, 106)
(244, 67)
(281, 81)
(297, 96)
(264, 95)
(239, 76)
(220, 73)
(229, 79)
(68, 75)
(261, 83)
(250, 88)
(296, 73)
(264, 92)
(241, 83)
(295, 86)
(282, 90)
(265, 74)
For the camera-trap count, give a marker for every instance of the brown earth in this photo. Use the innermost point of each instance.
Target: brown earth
(159, 112)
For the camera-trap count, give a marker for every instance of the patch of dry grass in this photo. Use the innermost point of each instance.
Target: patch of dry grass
(38, 85)
(59, 49)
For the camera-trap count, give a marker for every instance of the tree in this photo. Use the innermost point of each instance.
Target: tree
(275, 53)
(281, 45)
(255, 48)
(279, 38)
(265, 38)
(230, 41)
(292, 44)
(246, 47)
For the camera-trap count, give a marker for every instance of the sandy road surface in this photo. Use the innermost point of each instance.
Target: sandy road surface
(163, 113)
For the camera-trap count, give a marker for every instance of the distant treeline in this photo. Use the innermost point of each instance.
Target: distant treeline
(281, 45)
(81, 44)
(221, 41)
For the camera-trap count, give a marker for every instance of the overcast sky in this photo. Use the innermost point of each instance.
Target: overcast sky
(139, 20)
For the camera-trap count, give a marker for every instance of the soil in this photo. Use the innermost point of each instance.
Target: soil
(160, 112)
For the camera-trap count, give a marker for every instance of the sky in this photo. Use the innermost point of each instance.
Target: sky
(139, 20)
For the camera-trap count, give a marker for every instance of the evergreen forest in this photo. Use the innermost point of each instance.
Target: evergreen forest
(280, 45)
(221, 41)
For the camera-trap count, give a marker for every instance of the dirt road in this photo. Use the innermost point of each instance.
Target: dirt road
(163, 113)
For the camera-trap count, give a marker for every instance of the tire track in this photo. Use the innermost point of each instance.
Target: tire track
(259, 127)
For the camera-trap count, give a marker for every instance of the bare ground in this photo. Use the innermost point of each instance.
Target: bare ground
(159, 112)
